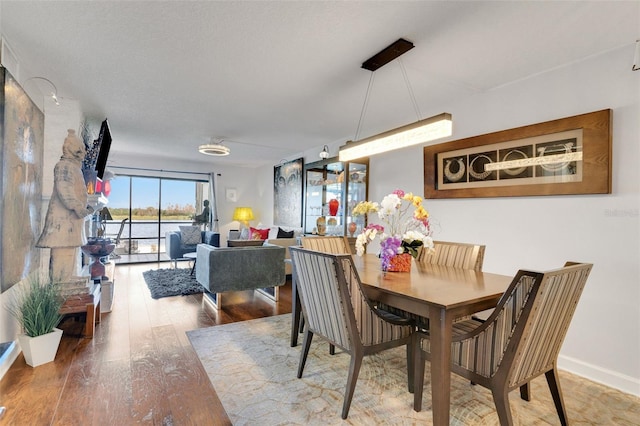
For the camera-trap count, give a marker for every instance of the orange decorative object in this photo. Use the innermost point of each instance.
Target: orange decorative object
(400, 263)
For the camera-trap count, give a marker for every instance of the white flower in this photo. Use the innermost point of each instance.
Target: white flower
(389, 205)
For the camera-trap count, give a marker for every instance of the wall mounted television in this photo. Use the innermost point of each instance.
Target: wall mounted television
(104, 144)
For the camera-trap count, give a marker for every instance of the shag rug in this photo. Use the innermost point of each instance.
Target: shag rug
(171, 282)
(253, 370)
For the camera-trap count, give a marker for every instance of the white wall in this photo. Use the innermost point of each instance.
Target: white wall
(603, 342)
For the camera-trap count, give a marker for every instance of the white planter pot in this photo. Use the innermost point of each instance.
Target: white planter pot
(41, 349)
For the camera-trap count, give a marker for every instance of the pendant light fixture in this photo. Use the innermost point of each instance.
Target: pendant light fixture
(421, 131)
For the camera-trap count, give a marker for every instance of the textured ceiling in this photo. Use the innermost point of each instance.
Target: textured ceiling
(276, 78)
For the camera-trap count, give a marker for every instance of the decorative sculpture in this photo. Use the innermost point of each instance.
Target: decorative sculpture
(64, 224)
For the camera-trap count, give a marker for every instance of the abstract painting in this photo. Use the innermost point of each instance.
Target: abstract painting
(287, 194)
(21, 157)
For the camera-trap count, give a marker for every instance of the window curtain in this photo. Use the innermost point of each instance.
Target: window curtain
(214, 203)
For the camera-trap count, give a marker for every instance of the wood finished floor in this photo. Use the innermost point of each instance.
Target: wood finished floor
(139, 368)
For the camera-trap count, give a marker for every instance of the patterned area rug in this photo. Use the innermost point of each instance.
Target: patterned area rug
(171, 282)
(253, 370)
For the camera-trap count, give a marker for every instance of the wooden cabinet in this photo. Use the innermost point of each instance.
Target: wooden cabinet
(332, 189)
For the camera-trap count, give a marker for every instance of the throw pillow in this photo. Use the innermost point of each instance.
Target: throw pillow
(190, 235)
(284, 234)
(259, 234)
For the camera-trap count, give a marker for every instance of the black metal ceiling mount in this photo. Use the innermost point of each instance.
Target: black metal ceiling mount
(388, 54)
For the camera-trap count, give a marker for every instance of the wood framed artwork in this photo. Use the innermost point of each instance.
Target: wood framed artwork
(570, 155)
(21, 160)
(287, 193)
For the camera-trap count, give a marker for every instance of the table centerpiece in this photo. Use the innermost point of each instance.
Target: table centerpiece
(407, 229)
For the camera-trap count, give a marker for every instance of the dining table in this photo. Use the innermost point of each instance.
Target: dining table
(440, 293)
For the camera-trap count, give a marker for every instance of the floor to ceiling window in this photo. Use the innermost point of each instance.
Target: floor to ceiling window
(150, 207)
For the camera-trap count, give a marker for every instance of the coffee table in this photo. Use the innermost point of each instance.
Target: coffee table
(192, 255)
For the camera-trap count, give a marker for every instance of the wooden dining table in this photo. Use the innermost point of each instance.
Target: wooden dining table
(440, 293)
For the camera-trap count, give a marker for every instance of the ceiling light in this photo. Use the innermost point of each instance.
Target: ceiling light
(215, 148)
(324, 154)
(421, 131)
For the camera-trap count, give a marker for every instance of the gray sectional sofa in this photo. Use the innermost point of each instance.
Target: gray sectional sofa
(220, 270)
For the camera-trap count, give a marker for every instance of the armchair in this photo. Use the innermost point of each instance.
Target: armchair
(176, 249)
(518, 342)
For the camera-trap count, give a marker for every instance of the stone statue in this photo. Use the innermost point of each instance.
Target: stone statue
(64, 224)
(204, 216)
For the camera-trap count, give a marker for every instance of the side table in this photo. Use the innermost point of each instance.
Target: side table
(86, 303)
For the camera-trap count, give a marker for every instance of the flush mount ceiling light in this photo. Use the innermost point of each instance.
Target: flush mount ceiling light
(215, 148)
(53, 94)
(421, 131)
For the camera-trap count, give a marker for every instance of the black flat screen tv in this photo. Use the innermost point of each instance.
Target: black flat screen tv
(104, 142)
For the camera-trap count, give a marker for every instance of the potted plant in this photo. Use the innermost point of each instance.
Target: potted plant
(37, 309)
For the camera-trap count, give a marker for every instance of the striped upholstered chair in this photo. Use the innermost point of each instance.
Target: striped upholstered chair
(518, 342)
(332, 245)
(445, 253)
(458, 255)
(336, 309)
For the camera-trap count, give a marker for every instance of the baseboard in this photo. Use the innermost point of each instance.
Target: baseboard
(7, 357)
(600, 375)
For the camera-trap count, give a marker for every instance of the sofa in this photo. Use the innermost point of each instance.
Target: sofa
(175, 248)
(221, 270)
(234, 240)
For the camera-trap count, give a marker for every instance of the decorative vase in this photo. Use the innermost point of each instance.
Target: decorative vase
(352, 228)
(400, 263)
(40, 349)
(333, 207)
(321, 224)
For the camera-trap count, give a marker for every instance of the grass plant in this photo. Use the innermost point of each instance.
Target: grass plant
(36, 306)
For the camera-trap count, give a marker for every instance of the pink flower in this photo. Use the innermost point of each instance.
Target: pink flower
(399, 193)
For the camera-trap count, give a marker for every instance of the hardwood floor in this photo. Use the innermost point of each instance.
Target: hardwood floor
(138, 368)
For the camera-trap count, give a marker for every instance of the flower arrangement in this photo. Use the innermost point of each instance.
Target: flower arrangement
(407, 226)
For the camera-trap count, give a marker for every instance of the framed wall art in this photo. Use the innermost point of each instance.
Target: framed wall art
(567, 156)
(287, 194)
(21, 159)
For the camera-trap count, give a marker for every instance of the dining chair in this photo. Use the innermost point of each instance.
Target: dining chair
(457, 255)
(445, 253)
(331, 245)
(336, 309)
(518, 342)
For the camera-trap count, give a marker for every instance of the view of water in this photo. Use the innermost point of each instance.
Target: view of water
(145, 233)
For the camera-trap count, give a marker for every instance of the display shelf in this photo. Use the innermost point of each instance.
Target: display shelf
(332, 189)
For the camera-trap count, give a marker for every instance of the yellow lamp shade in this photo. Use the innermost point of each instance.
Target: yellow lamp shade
(243, 214)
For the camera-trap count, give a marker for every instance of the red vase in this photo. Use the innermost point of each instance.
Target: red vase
(333, 207)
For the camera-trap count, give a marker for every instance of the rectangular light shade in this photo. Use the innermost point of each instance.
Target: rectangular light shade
(422, 131)
(243, 214)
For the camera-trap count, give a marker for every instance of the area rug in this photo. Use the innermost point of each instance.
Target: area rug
(253, 370)
(171, 282)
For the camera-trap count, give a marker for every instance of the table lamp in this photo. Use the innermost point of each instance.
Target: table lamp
(243, 215)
